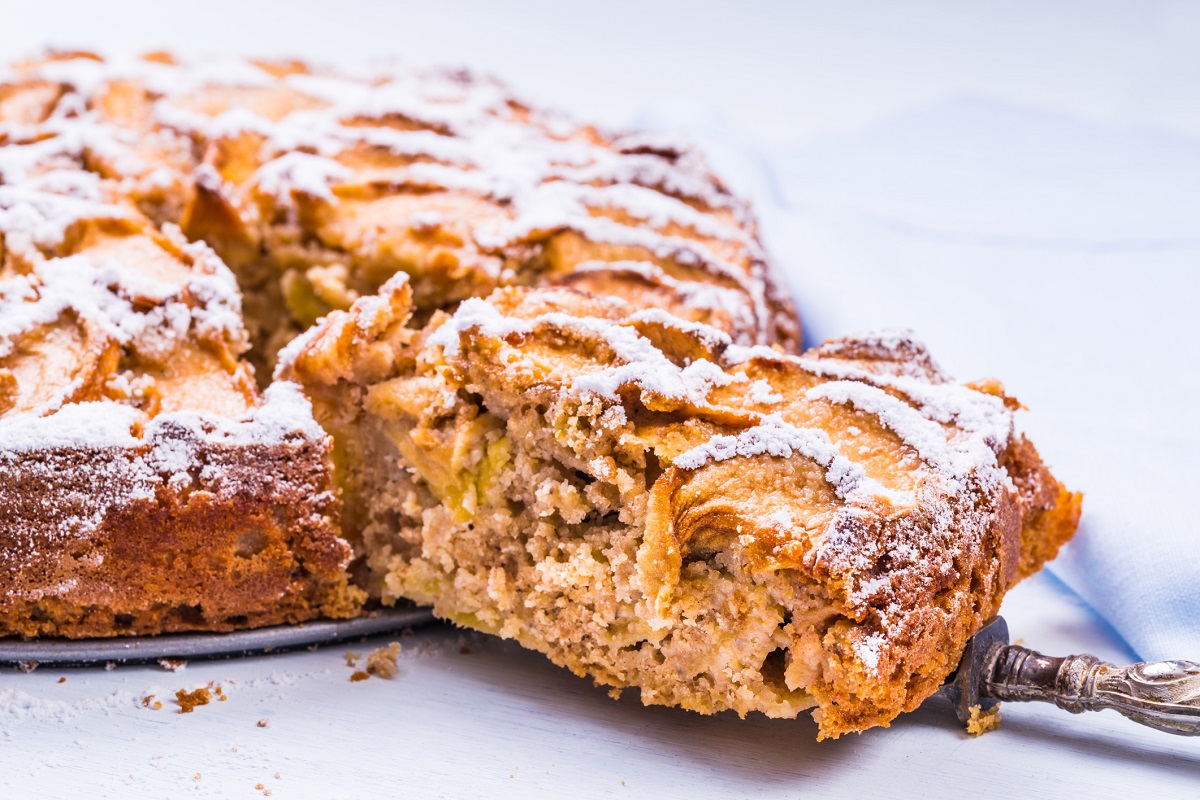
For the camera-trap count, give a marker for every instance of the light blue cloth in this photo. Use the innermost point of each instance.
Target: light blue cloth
(1059, 255)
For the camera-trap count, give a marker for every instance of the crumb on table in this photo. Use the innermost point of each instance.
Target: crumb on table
(188, 701)
(382, 661)
(983, 721)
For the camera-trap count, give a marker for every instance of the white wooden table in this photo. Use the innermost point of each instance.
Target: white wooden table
(498, 721)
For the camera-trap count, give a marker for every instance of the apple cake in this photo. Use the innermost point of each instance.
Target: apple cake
(278, 342)
(650, 504)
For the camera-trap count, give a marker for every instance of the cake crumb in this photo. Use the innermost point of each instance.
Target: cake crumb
(352, 658)
(615, 693)
(382, 661)
(983, 721)
(262, 723)
(149, 702)
(27, 666)
(188, 701)
(196, 777)
(259, 786)
(172, 664)
(359, 676)
(62, 679)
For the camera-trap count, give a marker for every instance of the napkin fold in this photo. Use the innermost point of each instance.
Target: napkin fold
(1057, 254)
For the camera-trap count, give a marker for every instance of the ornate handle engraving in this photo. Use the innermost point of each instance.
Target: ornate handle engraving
(1162, 694)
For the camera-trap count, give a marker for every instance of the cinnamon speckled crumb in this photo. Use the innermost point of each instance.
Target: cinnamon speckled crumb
(188, 701)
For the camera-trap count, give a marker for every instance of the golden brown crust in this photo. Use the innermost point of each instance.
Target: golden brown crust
(250, 540)
(1049, 511)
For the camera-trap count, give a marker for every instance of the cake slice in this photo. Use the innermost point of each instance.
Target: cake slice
(145, 484)
(653, 506)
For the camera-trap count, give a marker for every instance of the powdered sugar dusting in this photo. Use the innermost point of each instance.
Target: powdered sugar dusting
(762, 393)
(869, 648)
(475, 314)
(775, 438)
(639, 362)
(916, 430)
(300, 172)
(98, 425)
(460, 134)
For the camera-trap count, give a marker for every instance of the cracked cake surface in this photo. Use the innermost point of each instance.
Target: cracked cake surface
(278, 342)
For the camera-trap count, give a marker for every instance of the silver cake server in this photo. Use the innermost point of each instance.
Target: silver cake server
(1161, 694)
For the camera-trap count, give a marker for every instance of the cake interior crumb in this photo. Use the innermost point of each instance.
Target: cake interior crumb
(983, 721)
(382, 661)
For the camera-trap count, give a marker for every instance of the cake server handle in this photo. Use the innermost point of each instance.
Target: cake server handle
(1161, 694)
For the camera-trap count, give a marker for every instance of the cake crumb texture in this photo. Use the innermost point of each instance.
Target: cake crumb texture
(982, 721)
